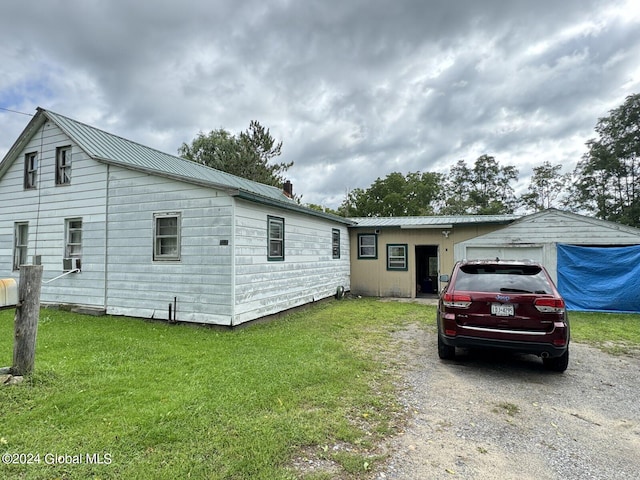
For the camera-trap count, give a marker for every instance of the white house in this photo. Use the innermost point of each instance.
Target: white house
(142, 233)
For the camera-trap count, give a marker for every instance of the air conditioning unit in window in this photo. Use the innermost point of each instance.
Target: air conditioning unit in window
(71, 264)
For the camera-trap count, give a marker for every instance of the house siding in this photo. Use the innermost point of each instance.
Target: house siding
(46, 207)
(200, 282)
(308, 272)
(222, 275)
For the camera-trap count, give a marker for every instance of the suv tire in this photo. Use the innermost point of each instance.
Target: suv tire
(445, 352)
(557, 364)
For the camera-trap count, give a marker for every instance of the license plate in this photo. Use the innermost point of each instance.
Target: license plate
(502, 310)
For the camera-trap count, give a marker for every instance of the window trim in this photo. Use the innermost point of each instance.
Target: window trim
(271, 220)
(335, 243)
(362, 256)
(157, 255)
(404, 258)
(30, 170)
(63, 170)
(20, 250)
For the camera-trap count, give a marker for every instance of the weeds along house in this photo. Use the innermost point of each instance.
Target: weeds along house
(142, 233)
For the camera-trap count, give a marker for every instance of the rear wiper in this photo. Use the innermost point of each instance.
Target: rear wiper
(514, 290)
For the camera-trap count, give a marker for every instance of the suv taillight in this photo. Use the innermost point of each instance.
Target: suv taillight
(456, 300)
(549, 305)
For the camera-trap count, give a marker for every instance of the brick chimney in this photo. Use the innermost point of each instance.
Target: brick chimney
(287, 189)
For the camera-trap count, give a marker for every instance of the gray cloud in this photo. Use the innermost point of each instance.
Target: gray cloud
(356, 90)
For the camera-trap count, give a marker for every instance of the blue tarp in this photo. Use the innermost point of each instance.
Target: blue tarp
(600, 279)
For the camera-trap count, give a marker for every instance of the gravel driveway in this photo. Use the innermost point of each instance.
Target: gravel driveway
(504, 417)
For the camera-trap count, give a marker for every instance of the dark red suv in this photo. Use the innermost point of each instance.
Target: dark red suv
(503, 304)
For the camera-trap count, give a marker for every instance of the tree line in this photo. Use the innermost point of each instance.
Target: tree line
(485, 188)
(605, 182)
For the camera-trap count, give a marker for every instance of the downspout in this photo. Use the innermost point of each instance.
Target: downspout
(106, 239)
(233, 260)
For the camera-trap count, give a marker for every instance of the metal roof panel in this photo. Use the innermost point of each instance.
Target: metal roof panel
(107, 147)
(432, 221)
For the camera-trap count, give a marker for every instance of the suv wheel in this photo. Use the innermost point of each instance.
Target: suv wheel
(557, 364)
(445, 352)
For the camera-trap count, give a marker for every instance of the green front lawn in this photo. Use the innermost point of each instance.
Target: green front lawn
(152, 400)
(183, 401)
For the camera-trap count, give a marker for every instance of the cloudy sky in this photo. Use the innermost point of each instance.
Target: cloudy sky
(355, 89)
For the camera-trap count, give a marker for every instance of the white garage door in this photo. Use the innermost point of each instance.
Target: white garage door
(504, 253)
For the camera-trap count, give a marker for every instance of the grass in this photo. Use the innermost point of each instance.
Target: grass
(153, 400)
(177, 401)
(615, 333)
(510, 409)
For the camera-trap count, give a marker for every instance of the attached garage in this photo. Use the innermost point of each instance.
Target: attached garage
(547, 236)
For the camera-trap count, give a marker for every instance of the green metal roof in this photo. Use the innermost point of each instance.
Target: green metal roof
(103, 146)
(112, 149)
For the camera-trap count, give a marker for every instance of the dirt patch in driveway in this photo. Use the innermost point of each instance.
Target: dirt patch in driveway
(486, 416)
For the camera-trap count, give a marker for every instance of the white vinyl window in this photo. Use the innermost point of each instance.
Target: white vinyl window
(73, 243)
(21, 242)
(367, 246)
(275, 233)
(397, 257)
(166, 241)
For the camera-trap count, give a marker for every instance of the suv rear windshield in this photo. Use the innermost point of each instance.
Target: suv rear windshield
(502, 278)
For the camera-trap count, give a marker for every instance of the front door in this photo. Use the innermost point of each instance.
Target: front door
(426, 269)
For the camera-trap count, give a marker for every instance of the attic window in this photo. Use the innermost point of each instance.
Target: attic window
(30, 170)
(63, 166)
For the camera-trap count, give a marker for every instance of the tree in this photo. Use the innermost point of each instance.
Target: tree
(458, 185)
(395, 195)
(484, 189)
(321, 208)
(607, 179)
(247, 155)
(545, 186)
